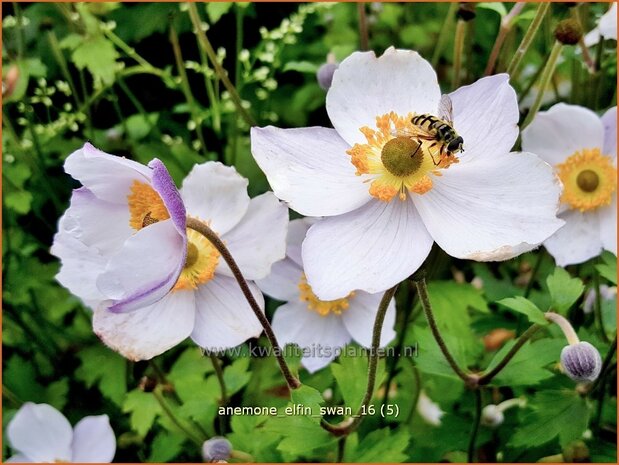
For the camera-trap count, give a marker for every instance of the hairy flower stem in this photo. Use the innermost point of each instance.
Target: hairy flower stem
(221, 73)
(487, 377)
(363, 27)
(422, 291)
(220, 377)
(347, 427)
(506, 25)
(528, 37)
(213, 238)
(444, 34)
(605, 365)
(458, 51)
(566, 327)
(600, 384)
(549, 69)
(475, 427)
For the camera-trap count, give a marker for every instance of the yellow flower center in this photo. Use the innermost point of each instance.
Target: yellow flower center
(202, 259)
(145, 206)
(589, 180)
(400, 163)
(322, 307)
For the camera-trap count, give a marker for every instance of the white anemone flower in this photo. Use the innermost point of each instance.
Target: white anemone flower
(320, 328)
(583, 149)
(429, 410)
(206, 302)
(386, 199)
(40, 433)
(107, 236)
(606, 27)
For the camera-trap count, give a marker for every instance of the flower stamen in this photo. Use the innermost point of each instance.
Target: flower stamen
(200, 264)
(322, 307)
(145, 206)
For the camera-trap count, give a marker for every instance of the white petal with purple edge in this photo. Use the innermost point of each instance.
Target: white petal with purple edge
(360, 316)
(217, 194)
(41, 433)
(608, 225)
(372, 249)
(94, 440)
(561, 131)
(492, 208)
(259, 239)
(578, 240)
(322, 336)
(609, 120)
(165, 187)
(148, 331)
(282, 283)
(224, 319)
(145, 268)
(365, 87)
(109, 177)
(309, 169)
(486, 116)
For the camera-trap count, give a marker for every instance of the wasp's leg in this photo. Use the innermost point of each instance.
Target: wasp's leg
(417, 149)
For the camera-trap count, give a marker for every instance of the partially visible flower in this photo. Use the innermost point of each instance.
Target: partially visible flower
(388, 196)
(583, 149)
(429, 410)
(493, 415)
(320, 328)
(324, 75)
(122, 241)
(216, 449)
(40, 433)
(606, 293)
(205, 302)
(606, 27)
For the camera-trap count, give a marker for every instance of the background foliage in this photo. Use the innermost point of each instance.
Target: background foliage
(132, 79)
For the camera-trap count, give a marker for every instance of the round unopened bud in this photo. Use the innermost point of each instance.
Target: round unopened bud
(324, 75)
(581, 361)
(216, 449)
(492, 416)
(568, 32)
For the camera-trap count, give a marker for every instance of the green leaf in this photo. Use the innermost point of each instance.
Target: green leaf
(165, 447)
(98, 55)
(236, 376)
(498, 7)
(301, 67)
(300, 435)
(351, 376)
(529, 365)
(307, 396)
(431, 360)
(143, 408)
(108, 370)
(216, 10)
(526, 307)
(20, 201)
(564, 290)
(380, 446)
(608, 269)
(138, 126)
(554, 413)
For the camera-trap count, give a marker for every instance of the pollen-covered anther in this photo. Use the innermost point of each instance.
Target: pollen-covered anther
(200, 264)
(145, 206)
(589, 180)
(322, 307)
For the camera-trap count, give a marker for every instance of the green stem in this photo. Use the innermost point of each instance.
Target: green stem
(600, 384)
(345, 428)
(566, 327)
(597, 307)
(549, 69)
(213, 238)
(487, 377)
(220, 378)
(415, 401)
(422, 291)
(221, 73)
(21, 37)
(608, 358)
(445, 33)
(475, 427)
(505, 27)
(130, 51)
(458, 48)
(62, 63)
(536, 268)
(528, 37)
(363, 27)
(138, 105)
(173, 418)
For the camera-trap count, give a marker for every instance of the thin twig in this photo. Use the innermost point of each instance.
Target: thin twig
(528, 37)
(363, 27)
(168, 411)
(506, 25)
(475, 427)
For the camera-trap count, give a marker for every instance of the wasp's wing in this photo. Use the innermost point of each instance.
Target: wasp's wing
(445, 109)
(414, 131)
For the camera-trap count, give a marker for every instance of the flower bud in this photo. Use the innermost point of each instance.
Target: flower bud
(568, 32)
(216, 449)
(492, 416)
(581, 361)
(324, 75)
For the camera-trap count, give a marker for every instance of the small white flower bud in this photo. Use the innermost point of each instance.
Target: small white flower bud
(216, 449)
(492, 416)
(581, 361)
(324, 75)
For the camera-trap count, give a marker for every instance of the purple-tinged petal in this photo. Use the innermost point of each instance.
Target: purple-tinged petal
(165, 187)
